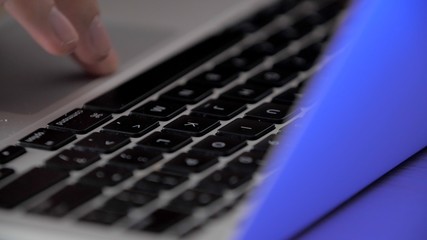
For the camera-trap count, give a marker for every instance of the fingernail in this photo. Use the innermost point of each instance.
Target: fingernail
(99, 39)
(63, 29)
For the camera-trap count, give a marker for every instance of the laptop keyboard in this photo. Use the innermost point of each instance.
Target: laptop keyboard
(149, 163)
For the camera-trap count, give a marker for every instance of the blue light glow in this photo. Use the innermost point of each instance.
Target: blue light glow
(371, 115)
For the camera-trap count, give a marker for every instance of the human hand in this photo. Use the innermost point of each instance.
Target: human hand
(64, 27)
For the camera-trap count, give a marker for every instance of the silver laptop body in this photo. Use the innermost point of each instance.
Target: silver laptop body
(36, 89)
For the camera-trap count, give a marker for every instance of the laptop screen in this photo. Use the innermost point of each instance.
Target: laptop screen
(369, 118)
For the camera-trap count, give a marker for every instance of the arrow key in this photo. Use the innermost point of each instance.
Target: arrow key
(102, 142)
(133, 126)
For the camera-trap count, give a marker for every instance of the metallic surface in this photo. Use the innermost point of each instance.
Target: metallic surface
(144, 32)
(36, 88)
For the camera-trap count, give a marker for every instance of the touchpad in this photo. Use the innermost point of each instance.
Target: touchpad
(31, 80)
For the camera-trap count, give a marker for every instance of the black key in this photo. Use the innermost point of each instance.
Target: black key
(332, 9)
(281, 39)
(265, 16)
(232, 178)
(310, 54)
(292, 65)
(106, 176)
(28, 185)
(219, 109)
(285, 5)
(219, 181)
(246, 129)
(72, 160)
(260, 50)
(165, 180)
(116, 206)
(126, 200)
(266, 144)
(194, 126)
(102, 142)
(157, 181)
(190, 199)
(187, 93)
(190, 163)
(248, 161)
(256, 21)
(244, 28)
(11, 153)
(270, 112)
(160, 221)
(47, 139)
(247, 93)
(136, 158)
(247, 60)
(240, 63)
(80, 121)
(288, 97)
(307, 24)
(327, 37)
(161, 110)
(100, 216)
(215, 78)
(142, 86)
(6, 172)
(66, 200)
(273, 78)
(133, 126)
(166, 142)
(218, 145)
(135, 198)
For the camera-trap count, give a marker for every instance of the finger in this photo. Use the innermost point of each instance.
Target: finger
(102, 67)
(45, 23)
(94, 50)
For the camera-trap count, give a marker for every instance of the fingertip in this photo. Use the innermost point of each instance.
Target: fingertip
(104, 67)
(95, 44)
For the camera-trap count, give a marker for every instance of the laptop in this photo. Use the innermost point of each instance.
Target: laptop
(169, 146)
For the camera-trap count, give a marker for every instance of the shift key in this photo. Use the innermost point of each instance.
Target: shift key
(28, 185)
